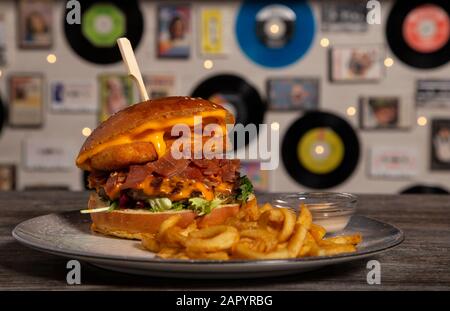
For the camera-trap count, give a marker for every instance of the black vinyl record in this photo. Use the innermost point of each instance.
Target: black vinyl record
(237, 96)
(424, 189)
(102, 23)
(320, 150)
(418, 32)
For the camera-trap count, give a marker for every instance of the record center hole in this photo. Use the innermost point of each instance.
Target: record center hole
(103, 24)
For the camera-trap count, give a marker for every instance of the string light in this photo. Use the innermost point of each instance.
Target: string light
(351, 111)
(388, 62)
(208, 64)
(422, 121)
(319, 149)
(324, 42)
(274, 28)
(86, 131)
(275, 126)
(51, 58)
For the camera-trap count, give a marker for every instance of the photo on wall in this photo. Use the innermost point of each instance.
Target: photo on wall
(344, 15)
(73, 95)
(7, 177)
(440, 144)
(116, 93)
(433, 93)
(393, 162)
(159, 85)
(3, 59)
(48, 154)
(26, 100)
(293, 93)
(356, 63)
(383, 113)
(35, 19)
(174, 31)
(212, 31)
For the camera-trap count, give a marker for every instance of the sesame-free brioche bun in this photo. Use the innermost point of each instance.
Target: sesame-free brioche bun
(122, 139)
(132, 223)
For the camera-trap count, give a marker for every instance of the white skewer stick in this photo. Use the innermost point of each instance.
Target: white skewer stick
(130, 62)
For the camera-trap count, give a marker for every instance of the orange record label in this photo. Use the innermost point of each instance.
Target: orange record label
(426, 29)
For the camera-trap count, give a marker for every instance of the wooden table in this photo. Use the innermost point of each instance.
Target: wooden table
(422, 261)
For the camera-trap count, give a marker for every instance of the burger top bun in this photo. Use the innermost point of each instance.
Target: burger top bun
(140, 117)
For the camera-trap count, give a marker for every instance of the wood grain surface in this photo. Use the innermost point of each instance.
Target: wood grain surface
(422, 261)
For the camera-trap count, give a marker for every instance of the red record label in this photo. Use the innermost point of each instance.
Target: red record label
(426, 28)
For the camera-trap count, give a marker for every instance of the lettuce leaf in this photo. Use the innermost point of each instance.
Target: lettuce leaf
(160, 204)
(202, 206)
(245, 189)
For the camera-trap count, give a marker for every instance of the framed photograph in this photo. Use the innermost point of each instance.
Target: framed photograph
(293, 93)
(73, 95)
(35, 18)
(116, 93)
(440, 144)
(433, 93)
(383, 112)
(174, 31)
(259, 178)
(26, 100)
(48, 154)
(393, 162)
(2, 114)
(3, 59)
(344, 15)
(7, 177)
(159, 85)
(212, 31)
(356, 63)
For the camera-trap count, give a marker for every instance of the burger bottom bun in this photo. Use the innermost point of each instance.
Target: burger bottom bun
(132, 223)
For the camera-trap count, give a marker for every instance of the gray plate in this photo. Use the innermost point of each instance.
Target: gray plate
(68, 235)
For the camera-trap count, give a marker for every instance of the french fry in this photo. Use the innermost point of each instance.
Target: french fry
(329, 250)
(265, 207)
(318, 232)
(353, 239)
(243, 250)
(302, 226)
(255, 233)
(288, 225)
(150, 242)
(212, 239)
(211, 256)
(168, 252)
(166, 224)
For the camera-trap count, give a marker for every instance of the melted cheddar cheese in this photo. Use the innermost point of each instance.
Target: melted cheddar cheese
(153, 132)
(166, 189)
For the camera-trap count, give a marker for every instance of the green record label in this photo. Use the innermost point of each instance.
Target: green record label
(103, 24)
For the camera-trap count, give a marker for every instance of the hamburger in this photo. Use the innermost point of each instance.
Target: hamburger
(137, 182)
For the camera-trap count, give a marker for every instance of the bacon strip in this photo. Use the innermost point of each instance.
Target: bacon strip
(210, 171)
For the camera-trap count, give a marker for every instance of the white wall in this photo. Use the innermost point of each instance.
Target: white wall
(399, 81)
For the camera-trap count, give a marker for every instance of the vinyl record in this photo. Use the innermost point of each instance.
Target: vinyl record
(424, 189)
(102, 23)
(236, 95)
(320, 150)
(418, 32)
(275, 34)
